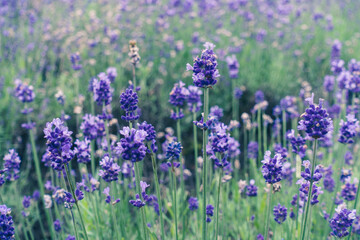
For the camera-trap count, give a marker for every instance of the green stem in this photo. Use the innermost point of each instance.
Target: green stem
(39, 178)
(134, 76)
(218, 206)
(76, 201)
(74, 224)
(196, 154)
(137, 179)
(157, 188)
(245, 152)
(182, 185)
(174, 198)
(113, 213)
(268, 213)
(92, 149)
(29, 228)
(260, 155)
(206, 92)
(308, 205)
(284, 127)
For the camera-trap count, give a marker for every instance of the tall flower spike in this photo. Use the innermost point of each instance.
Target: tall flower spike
(93, 127)
(316, 122)
(23, 92)
(204, 69)
(272, 168)
(134, 52)
(102, 90)
(342, 221)
(131, 146)
(348, 129)
(110, 170)
(233, 66)
(194, 98)
(7, 230)
(129, 103)
(58, 144)
(11, 165)
(280, 213)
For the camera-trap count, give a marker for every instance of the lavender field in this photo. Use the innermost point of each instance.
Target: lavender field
(179, 119)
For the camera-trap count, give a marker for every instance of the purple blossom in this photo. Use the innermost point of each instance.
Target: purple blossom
(280, 213)
(82, 151)
(102, 90)
(178, 94)
(348, 129)
(342, 221)
(204, 70)
(253, 150)
(93, 127)
(6, 223)
(23, 92)
(193, 203)
(11, 165)
(75, 61)
(129, 103)
(131, 146)
(251, 189)
(329, 82)
(209, 212)
(58, 144)
(110, 170)
(194, 98)
(272, 167)
(233, 66)
(316, 122)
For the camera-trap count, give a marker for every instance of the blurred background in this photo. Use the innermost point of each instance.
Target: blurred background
(283, 48)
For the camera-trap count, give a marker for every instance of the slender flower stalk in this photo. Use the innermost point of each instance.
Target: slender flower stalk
(76, 200)
(39, 178)
(137, 179)
(268, 212)
(157, 188)
(308, 204)
(218, 205)
(206, 112)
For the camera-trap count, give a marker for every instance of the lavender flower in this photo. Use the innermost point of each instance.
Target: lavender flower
(348, 191)
(82, 151)
(233, 66)
(348, 129)
(209, 212)
(102, 90)
(259, 96)
(138, 202)
(280, 213)
(110, 170)
(11, 165)
(193, 203)
(129, 103)
(173, 150)
(178, 94)
(108, 199)
(204, 70)
(316, 122)
(194, 98)
(58, 144)
(216, 112)
(75, 61)
(93, 127)
(329, 82)
(111, 74)
(238, 92)
(131, 146)
(329, 183)
(23, 92)
(306, 174)
(7, 230)
(251, 189)
(57, 225)
(272, 167)
(253, 150)
(342, 221)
